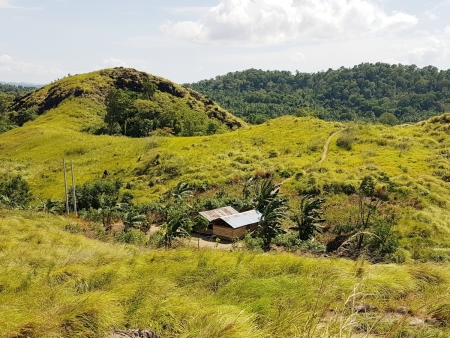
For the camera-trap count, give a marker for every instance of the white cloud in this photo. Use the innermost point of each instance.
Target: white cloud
(9, 4)
(269, 22)
(298, 56)
(112, 62)
(435, 50)
(447, 30)
(197, 11)
(431, 15)
(11, 67)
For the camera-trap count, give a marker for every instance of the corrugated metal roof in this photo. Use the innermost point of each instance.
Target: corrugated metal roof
(212, 215)
(242, 219)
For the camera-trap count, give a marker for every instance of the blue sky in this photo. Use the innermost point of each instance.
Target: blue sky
(187, 41)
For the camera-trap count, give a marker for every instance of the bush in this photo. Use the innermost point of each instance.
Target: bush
(15, 192)
(291, 242)
(132, 237)
(345, 142)
(273, 153)
(156, 239)
(90, 193)
(252, 243)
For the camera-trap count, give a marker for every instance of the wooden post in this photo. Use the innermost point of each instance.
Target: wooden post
(198, 243)
(65, 187)
(73, 190)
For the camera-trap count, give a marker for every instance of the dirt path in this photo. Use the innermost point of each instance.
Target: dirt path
(324, 154)
(327, 144)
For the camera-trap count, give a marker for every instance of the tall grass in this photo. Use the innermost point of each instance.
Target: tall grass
(56, 284)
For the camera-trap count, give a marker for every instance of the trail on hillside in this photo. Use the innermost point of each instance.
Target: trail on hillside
(324, 153)
(327, 144)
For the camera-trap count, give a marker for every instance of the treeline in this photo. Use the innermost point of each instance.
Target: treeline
(396, 93)
(14, 90)
(140, 114)
(7, 95)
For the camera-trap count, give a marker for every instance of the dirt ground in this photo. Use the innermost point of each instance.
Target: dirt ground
(200, 240)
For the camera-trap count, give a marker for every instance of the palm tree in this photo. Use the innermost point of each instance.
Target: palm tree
(176, 227)
(308, 220)
(270, 222)
(265, 191)
(132, 219)
(182, 190)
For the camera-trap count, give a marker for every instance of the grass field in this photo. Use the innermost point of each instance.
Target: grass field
(412, 160)
(57, 284)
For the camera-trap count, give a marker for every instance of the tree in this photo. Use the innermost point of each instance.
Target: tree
(15, 192)
(181, 190)
(388, 118)
(265, 191)
(369, 200)
(134, 220)
(110, 209)
(176, 227)
(308, 220)
(119, 104)
(272, 208)
(269, 225)
(148, 89)
(90, 193)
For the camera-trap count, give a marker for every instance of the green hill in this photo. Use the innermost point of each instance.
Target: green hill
(56, 282)
(364, 92)
(126, 101)
(408, 163)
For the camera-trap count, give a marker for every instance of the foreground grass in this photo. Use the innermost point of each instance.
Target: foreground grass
(56, 284)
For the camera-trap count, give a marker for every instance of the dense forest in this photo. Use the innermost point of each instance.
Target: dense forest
(374, 92)
(7, 94)
(14, 90)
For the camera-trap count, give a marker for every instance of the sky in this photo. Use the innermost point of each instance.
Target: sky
(187, 41)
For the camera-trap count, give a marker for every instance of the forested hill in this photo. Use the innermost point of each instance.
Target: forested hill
(396, 93)
(14, 90)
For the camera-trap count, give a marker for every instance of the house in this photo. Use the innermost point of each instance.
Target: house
(227, 223)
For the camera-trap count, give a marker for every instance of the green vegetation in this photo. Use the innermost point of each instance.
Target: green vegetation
(14, 192)
(55, 283)
(364, 92)
(377, 192)
(15, 90)
(406, 162)
(129, 102)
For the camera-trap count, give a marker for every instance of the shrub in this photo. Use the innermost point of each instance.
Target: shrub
(15, 192)
(156, 239)
(291, 242)
(132, 237)
(345, 142)
(252, 243)
(90, 193)
(273, 153)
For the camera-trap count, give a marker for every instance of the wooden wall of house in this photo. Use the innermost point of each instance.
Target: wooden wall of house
(228, 233)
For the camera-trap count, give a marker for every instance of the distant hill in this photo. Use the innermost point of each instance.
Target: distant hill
(128, 102)
(364, 92)
(23, 84)
(15, 89)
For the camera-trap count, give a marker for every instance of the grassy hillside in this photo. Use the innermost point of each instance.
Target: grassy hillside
(57, 284)
(163, 103)
(364, 92)
(408, 161)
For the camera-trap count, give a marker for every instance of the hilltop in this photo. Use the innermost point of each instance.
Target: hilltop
(380, 93)
(161, 103)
